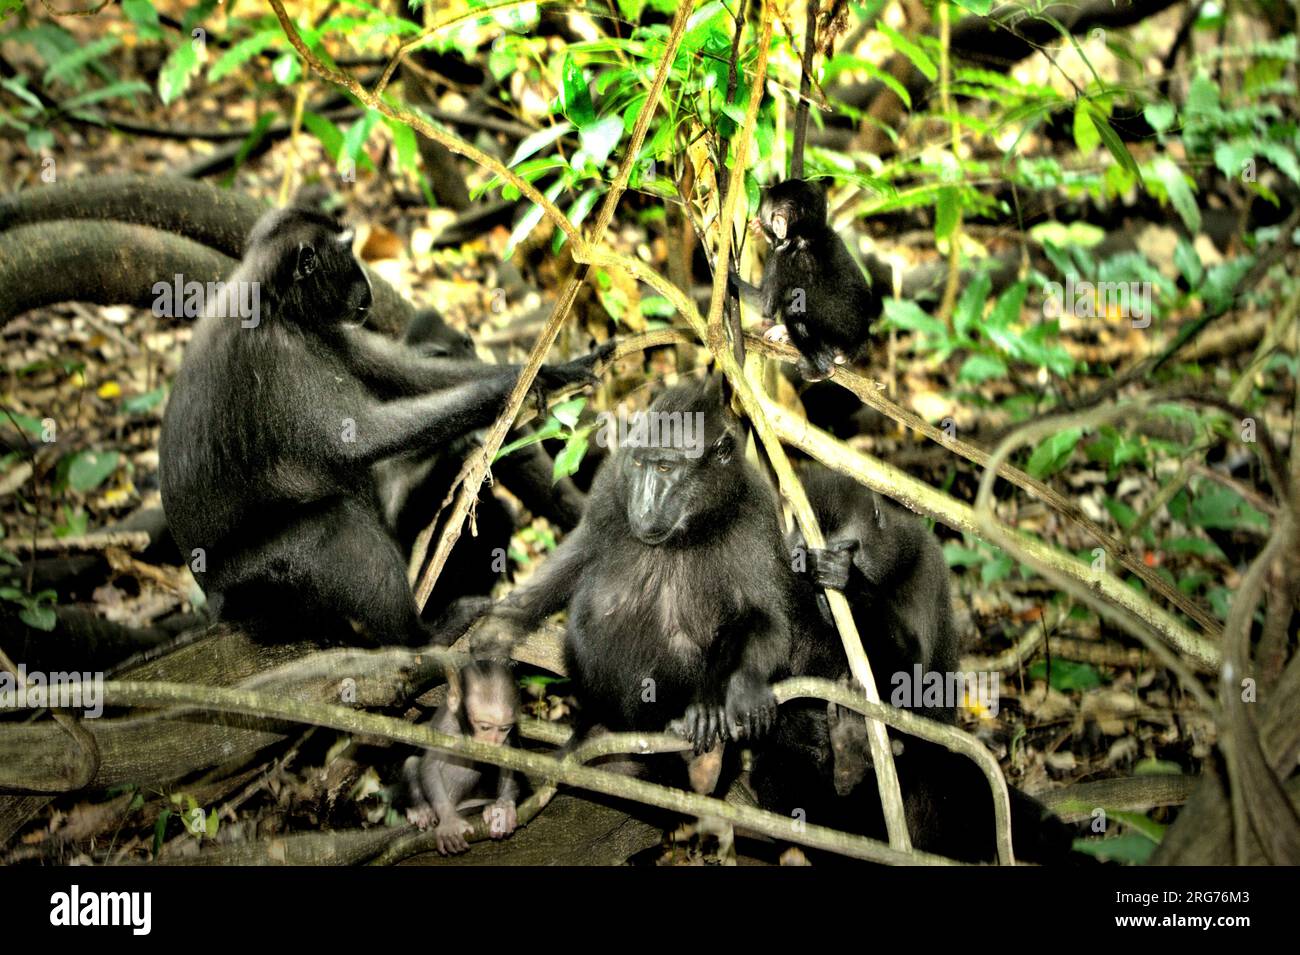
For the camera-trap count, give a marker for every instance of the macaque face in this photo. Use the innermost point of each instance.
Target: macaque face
(490, 721)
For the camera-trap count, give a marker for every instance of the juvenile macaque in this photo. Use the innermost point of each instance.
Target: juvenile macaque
(483, 704)
(812, 287)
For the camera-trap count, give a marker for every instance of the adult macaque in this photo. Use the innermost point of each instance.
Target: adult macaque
(680, 595)
(277, 420)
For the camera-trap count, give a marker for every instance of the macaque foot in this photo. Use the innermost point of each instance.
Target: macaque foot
(813, 371)
(750, 708)
(725, 835)
(777, 333)
(501, 818)
(451, 835)
(422, 817)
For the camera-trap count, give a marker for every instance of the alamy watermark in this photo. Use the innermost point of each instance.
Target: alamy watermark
(921, 689)
(1131, 300)
(59, 690)
(181, 299)
(678, 430)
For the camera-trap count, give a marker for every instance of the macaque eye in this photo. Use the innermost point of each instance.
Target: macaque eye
(665, 468)
(637, 462)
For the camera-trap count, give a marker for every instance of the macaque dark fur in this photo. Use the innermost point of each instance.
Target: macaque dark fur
(413, 486)
(677, 575)
(482, 704)
(273, 431)
(811, 284)
(892, 571)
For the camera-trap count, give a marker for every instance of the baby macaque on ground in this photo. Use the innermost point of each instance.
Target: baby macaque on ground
(483, 704)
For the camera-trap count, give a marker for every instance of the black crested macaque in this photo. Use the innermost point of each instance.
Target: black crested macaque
(811, 284)
(482, 704)
(678, 588)
(277, 419)
(892, 571)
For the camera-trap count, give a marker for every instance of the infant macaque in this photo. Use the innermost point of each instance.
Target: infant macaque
(482, 703)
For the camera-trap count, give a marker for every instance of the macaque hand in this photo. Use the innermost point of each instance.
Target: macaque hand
(451, 834)
(422, 817)
(830, 566)
(501, 818)
(703, 726)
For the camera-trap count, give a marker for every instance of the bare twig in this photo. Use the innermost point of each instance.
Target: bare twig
(548, 769)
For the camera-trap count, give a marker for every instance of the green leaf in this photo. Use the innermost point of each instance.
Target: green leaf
(710, 21)
(567, 412)
(160, 831)
(354, 140)
(978, 368)
(146, 402)
(20, 90)
(575, 97)
(174, 77)
(75, 60)
(326, 130)
(1086, 137)
(406, 144)
(242, 52)
(908, 316)
(1160, 115)
(39, 138)
(1130, 847)
(145, 18)
(286, 69)
(552, 429)
(89, 469)
(39, 618)
(1006, 310)
(970, 307)
(1166, 172)
(1114, 143)
(1076, 234)
(570, 457)
(538, 140)
(1221, 508)
(842, 62)
(1189, 263)
(910, 50)
(111, 91)
(946, 206)
(1067, 675)
(1192, 545)
(1139, 824)
(1050, 456)
(996, 569)
(528, 221)
(598, 141)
